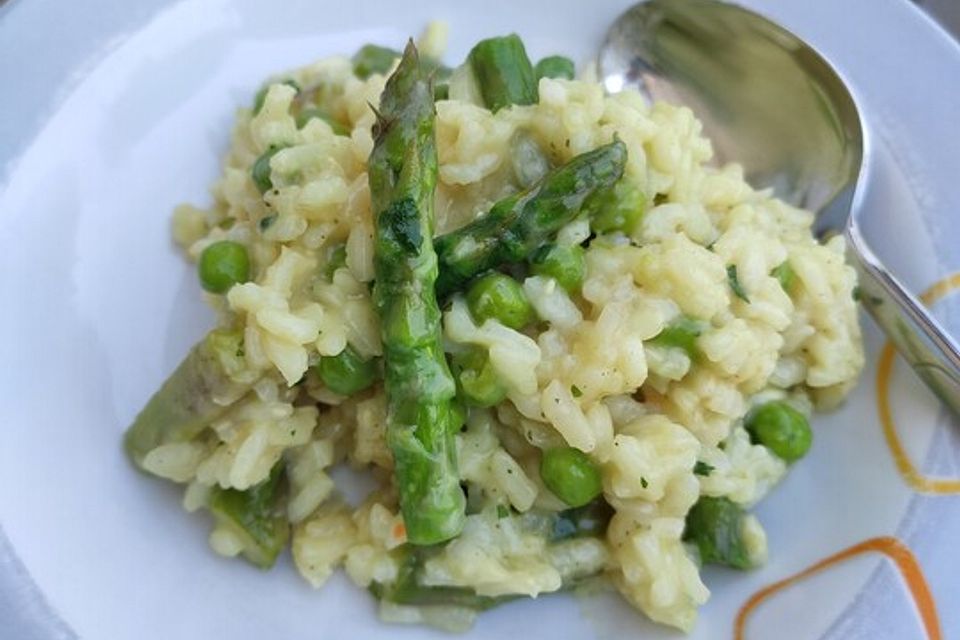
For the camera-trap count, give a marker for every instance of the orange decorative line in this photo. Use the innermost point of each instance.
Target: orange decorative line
(911, 475)
(892, 548)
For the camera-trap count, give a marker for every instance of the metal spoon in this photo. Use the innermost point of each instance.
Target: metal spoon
(771, 103)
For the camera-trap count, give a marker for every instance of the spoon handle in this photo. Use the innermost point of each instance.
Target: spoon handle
(921, 341)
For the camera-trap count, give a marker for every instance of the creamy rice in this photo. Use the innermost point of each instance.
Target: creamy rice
(804, 347)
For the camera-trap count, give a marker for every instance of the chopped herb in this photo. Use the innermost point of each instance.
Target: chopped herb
(267, 222)
(702, 468)
(857, 293)
(785, 275)
(643, 482)
(735, 283)
(575, 391)
(502, 511)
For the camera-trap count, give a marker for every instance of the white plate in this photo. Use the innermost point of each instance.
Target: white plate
(114, 113)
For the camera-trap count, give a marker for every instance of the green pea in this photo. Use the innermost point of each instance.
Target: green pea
(682, 333)
(618, 209)
(222, 265)
(262, 94)
(371, 59)
(347, 373)
(478, 381)
(555, 67)
(570, 475)
(500, 297)
(780, 428)
(715, 526)
(785, 275)
(563, 263)
(307, 115)
(261, 171)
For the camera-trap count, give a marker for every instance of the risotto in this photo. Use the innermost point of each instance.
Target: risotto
(615, 359)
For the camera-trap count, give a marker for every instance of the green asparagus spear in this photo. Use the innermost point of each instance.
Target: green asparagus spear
(504, 72)
(407, 589)
(520, 224)
(256, 516)
(186, 403)
(421, 419)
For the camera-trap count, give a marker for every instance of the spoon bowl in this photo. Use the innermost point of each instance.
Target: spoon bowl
(771, 103)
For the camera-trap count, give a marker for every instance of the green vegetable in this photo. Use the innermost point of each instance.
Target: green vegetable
(185, 405)
(261, 171)
(222, 265)
(503, 511)
(503, 71)
(589, 520)
(520, 224)
(500, 297)
(563, 263)
(682, 333)
(441, 91)
(479, 383)
(422, 417)
(618, 209)
(735, 285)
(780, 428)
(336, 260)
(257, 516)
(715, 526)
(371, 59)
(528, 160)
(262, 94)
(785, 275)
(347, 373)
(408, 589)
(702, 468)
(305, 116)
(570, 475)
(555, 67)
(267, 221)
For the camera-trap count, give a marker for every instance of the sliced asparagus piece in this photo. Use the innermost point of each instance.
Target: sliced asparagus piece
(188, 400)
(257, 516)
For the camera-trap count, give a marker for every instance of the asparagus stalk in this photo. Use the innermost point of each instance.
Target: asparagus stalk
(407, 589)
(187, 401)
(504, 72)
(521, 223)
(256, 516)
(715, 526)
(421, 418)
